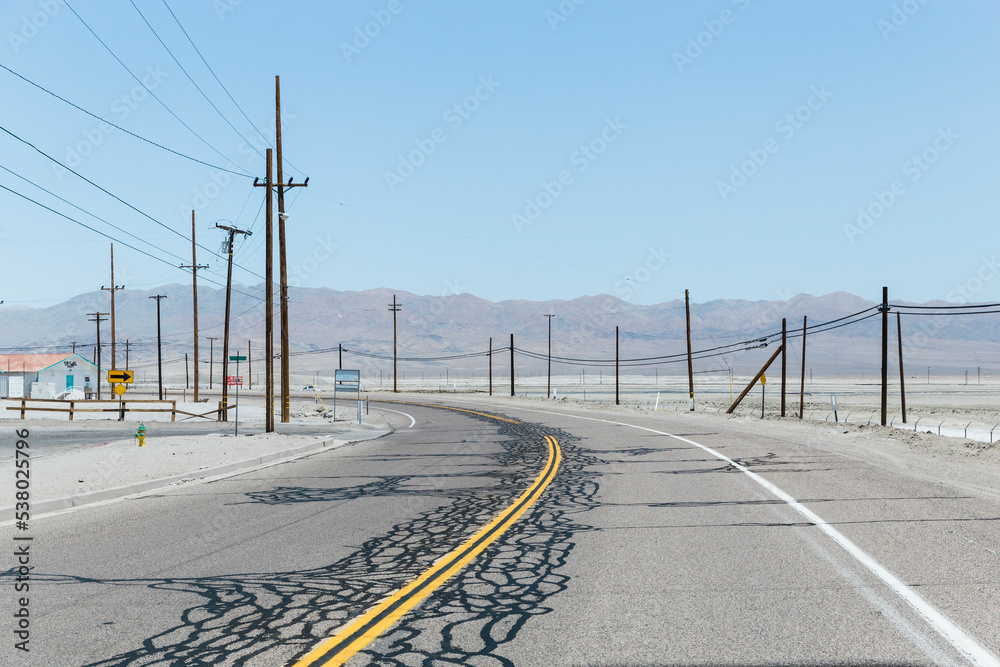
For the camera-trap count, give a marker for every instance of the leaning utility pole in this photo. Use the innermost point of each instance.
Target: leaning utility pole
(268, 184)
(194, 266)
(233, 231)
(548, 393)
(159, 344)
(884, 307)
(211, 358)
(282, 217)
(395, 308)
(114, 288)
(98, 319)
(687, 317)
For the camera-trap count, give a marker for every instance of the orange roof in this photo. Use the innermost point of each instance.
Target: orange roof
(30, 363)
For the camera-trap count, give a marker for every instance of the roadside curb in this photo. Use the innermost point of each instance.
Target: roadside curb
(92, 497)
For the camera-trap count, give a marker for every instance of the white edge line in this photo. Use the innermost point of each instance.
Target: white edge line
(956, 636)
(413, 421)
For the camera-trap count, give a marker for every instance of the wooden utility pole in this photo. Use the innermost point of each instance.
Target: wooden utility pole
(114, 288)
(884, 307)
(902, 382)
(687, 317)
(491, 365)
(232, 231)
(802, 387)
(512, 364)
(211, 359)
(159, 344)
(73, 343)
(249, 367)
(282, 216)
(127, 345)
(194, 266)
(617, 401)
(187, 374)
(548, 393)
(98, 318)
(395, 308)
(784, 360)
(268, 184)
(340, 356)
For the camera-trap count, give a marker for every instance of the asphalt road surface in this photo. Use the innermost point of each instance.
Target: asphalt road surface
(598, 543)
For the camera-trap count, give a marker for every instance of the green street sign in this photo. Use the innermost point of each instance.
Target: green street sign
(236, 358)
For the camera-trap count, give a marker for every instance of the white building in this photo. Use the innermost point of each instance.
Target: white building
(46, 375)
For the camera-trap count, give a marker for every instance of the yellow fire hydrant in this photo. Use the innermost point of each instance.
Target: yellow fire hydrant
(141, 435)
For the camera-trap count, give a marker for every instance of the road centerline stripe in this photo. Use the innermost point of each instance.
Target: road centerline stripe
(339, 648)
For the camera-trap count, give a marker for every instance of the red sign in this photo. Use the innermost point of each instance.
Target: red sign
(233, 380)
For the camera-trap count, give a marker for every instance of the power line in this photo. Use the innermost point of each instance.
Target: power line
(114, 196)
(104, 234)
(245, 173)
(151, 93)
(193, 82)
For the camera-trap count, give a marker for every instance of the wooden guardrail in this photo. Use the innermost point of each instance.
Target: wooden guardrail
(119, 408)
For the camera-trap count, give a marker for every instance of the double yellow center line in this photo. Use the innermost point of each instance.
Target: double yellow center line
(360, 632)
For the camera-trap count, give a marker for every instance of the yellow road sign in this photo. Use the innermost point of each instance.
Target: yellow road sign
(120, 376)
(763, 379)
(120, 389)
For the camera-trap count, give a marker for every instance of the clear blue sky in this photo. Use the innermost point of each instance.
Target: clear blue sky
(666, 120)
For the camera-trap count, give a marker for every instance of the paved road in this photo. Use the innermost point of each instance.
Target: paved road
(644, 549)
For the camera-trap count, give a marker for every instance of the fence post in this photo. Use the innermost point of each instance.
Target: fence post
(173, 411)
(22, 407)
(71, 410)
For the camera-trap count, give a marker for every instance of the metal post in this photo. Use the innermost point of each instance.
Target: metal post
(249, 367)
(211, 359)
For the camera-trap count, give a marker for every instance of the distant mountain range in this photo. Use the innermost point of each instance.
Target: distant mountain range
(433, 326)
